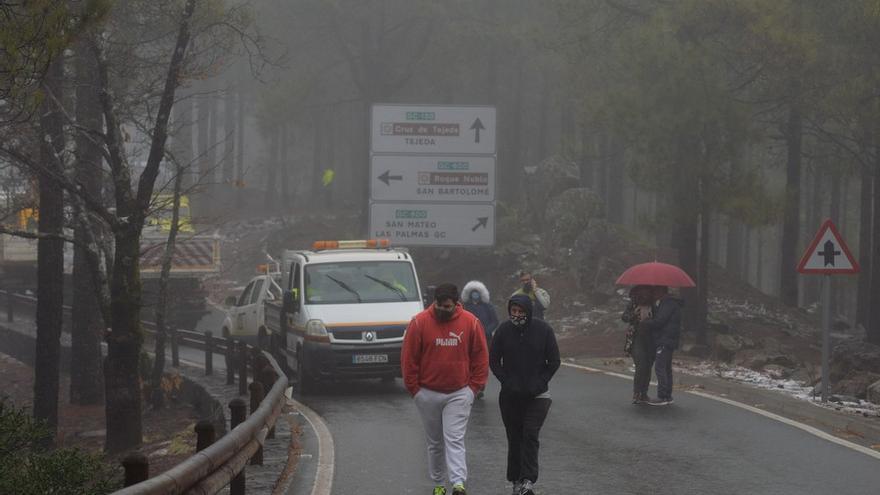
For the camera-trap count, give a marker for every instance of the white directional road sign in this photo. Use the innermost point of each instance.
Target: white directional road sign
(414, 129)
(453, 179)
(430, 224)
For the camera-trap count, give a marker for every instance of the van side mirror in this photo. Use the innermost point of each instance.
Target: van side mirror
(230, 301)
(291, 301)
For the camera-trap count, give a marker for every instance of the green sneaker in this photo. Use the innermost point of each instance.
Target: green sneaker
(458, 489)
(439, 490)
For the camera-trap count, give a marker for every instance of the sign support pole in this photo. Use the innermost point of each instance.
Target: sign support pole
(826, 334)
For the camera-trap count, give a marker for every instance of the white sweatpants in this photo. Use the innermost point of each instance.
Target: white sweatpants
(445, 417)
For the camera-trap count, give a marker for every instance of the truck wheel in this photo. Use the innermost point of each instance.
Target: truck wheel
(306, 382)
(262, 339)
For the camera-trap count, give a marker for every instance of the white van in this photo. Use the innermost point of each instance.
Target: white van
(344, 310)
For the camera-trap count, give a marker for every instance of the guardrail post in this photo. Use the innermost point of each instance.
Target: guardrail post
(256, 389)
(242, 368)
(230, 360)
(205, 434)
(175, 354)
(209, 353)
(237, 414)
(10, 311)
(137, 468)
(267, 378)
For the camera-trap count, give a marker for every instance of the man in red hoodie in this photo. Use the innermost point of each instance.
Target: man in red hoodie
(445, 362)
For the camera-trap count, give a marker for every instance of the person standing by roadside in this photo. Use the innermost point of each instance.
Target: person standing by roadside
(665, 328)
(540, 297)
(639, 341)
(524, 357)
(444, 362)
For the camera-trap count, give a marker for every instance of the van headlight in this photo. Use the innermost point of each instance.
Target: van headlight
(316, 328)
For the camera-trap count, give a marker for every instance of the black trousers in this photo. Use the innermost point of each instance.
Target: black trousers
(523, 418)
(643, 352)
(663, 370)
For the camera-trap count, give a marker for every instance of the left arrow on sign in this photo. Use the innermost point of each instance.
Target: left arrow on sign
(477, 126)
(387, 177)
(481, 222)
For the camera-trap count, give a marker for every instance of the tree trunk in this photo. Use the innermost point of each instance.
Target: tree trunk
(203, 126)
(229, 107)
(123, 381)
(158, 394)
(183, 138)
(615, 177)
(285, 167)
(50, 255)
(866, 205)
(759, 261)
(317, 146)
(733, 260)
(703, 278)
(211, 159)
(873, 328)
(239, 149)
(792, 215)
(543, 117)
(746, 263)
(271, 168)
(86, 378)
(835, 216)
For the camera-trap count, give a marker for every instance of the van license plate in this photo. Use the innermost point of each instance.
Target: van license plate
(369, 358)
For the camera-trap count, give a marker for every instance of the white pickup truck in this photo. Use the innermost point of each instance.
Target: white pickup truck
(246, 314)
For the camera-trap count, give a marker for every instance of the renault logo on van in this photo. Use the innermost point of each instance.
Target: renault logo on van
(369, 336)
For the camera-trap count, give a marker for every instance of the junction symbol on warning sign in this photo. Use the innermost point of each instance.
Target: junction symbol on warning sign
(828, 254)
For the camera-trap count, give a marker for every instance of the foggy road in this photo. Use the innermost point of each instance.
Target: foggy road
(594, 441)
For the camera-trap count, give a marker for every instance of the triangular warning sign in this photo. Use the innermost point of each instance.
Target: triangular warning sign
(828, 254)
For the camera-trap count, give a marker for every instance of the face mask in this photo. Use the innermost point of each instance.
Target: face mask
(475, 296)
(443, 314)
(519, 320)
(527, 287)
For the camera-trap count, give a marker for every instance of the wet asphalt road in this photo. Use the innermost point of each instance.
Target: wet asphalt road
(594, 442)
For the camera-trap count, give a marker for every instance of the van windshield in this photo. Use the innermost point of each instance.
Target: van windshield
(360, 282)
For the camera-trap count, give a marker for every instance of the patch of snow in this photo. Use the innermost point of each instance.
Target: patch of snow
(772, 381)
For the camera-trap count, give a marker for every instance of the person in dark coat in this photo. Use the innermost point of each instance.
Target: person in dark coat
(665, 327)
(475, 297)
(524, 357)
(640, 342)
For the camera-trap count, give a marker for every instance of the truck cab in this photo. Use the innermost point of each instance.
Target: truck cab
(345, 308)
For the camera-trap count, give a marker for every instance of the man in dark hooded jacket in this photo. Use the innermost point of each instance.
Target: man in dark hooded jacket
(524, 357)
(665, 327)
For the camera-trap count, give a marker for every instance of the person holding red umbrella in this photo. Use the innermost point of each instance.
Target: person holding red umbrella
(639, 341)
(664, 323)
(665, 327)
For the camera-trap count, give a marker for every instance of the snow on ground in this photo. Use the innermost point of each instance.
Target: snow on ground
(771, 381)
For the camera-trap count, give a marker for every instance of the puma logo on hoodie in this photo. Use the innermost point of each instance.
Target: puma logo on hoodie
(445, 342)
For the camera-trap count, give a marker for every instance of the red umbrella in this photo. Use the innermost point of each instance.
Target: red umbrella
(656, 273)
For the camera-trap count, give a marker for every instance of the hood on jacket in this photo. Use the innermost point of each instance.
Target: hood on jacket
(522, 301)
(475, 285)
(672, 298)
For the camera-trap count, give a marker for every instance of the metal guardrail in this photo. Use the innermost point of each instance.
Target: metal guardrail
(222, 462)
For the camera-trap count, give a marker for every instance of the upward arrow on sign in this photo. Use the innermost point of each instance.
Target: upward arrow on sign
(477, 126)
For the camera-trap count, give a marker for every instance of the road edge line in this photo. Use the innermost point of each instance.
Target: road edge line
(326, 449)
(767, 414)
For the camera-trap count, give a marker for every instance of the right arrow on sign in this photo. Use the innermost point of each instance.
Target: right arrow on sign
(481, 222)
(387, 177)
(477, 126)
